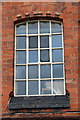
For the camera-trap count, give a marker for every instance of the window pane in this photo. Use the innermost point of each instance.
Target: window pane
(32, 27)
(20, 42)
(44, 27)
(20, 87)
(33, 42)
(44, 56)
(57, 55)
(33, 71)
(33, 87)
(20, 72)
(58, 86)
(44, 42)
(58, 71)
(33, 56)
(21, 29)
(20, 57)
(56, 40)
(45, 71)
(56, 27)
(45, 87)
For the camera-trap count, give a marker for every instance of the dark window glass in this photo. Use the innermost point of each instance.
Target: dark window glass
(33, 42)
(33, 87)
(20, 42)
(33, 56)
(58, 71)
(58, 87)
(20, 72)
(45, 86)
(44, 27)
(56, 40)
(44, 56)
(57, 55)
(20, 57)
(33, 28)
(33, 71)
(44, 42)
(20, 87)
(56, 27)
(45, 71)
(21, 29)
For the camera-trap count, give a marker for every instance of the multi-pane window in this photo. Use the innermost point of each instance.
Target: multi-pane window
(39, 59)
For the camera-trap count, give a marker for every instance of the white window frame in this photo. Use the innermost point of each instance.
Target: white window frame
(39, 63)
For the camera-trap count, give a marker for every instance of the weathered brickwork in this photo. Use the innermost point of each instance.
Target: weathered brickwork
(17, 11)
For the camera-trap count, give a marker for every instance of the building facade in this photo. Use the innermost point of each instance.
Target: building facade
(40, 60)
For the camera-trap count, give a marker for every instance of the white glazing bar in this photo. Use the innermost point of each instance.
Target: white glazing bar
(39, 54)
(63, 59)
(50, 40)
(27, 59)
(15, 61)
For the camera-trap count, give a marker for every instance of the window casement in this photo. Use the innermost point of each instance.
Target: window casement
(39, 58)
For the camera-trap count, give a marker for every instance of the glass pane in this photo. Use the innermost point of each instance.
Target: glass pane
(20, 87)
(56, 27)
(32, 27)
(58, 71)
(21, 29)
(45, 87)
(20, 72)
(44, 56)
(20, 42)
(20, 57)
(56, 40)
(33, 42)
(33, 71)
(45, 71)
(58, 86)
(44, 27)
(33, 88)
(57, 55)
(33, 56)
(44, 42)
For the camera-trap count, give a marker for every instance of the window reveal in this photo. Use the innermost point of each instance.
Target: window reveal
(39, 59)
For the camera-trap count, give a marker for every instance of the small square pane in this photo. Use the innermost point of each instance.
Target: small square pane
(44, 27)
(20, 87)
(44, 56)
(20, 72)
(44, 42)
(58, 71)
(56, 40)
(33, 42)
(33, 27)
(20, 57)
(57, 55)
(33, 56)
(45, 71)
(33, 87)
(56, 27)
(45, 86)
(21, 29)
(58, 86)
(20, 42)
(33, 71)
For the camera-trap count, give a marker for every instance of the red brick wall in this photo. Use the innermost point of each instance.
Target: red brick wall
(69, 13)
